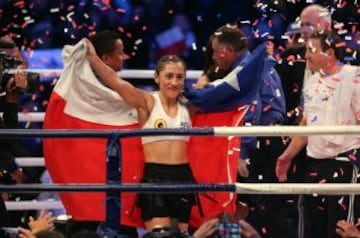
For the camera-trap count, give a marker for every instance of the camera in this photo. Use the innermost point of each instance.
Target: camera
(7, 63)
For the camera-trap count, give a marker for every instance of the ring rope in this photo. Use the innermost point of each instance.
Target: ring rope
(240, 188)
(30, 161)
(203, 131)
(125, 73)
(142, 188)
(33, 205)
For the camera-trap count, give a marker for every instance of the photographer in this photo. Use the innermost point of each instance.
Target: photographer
(9, 171)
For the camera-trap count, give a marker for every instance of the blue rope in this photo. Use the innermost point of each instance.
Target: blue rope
(140, 188)
(113, 176)
(71, 133)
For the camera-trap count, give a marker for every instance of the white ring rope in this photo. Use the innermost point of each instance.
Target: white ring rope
(241, 188)
(297, 188)
(30, 161)
(33, 205)
(125, 73)
(31, 116)
(286, 130)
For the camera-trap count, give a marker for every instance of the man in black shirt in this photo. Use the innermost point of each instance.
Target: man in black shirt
(8, 168)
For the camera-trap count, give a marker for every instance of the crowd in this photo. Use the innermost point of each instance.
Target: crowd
(314, 82)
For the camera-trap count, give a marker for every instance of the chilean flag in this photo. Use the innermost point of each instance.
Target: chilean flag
(223, 102)
(80, 101)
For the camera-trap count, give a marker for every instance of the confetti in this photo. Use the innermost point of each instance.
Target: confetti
(322, 181)
(267, 108)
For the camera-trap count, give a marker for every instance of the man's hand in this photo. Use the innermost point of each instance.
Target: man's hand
(282, 166)
(206, 229)
(347, 230)
(25, 233)
(44, 222)
(202, 81)
(242, 168)
(90, 48)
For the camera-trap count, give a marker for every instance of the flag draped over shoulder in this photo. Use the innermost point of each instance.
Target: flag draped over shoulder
(223, 103)
(238, 87)
(80, 101)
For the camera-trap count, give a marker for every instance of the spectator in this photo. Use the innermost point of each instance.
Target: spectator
(109, 47)
(16, 148)
(10, 172)
(325, 103)
(267, 107)
(14, 51)
(293, 71)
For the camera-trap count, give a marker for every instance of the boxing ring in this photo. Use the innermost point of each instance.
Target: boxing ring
(113, 136)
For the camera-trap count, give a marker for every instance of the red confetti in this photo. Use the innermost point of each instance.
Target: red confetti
(267, 108)
(281, 48)
(320, 208)
(352, 157)
(73, 23)
(343, 4)
(322, 181)
(24, 24)
(120, 10)
(330, 87)
(41, 88)
(356, 81)
(19, 4)
(353, 28)
(291, 58)
(252, 108)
